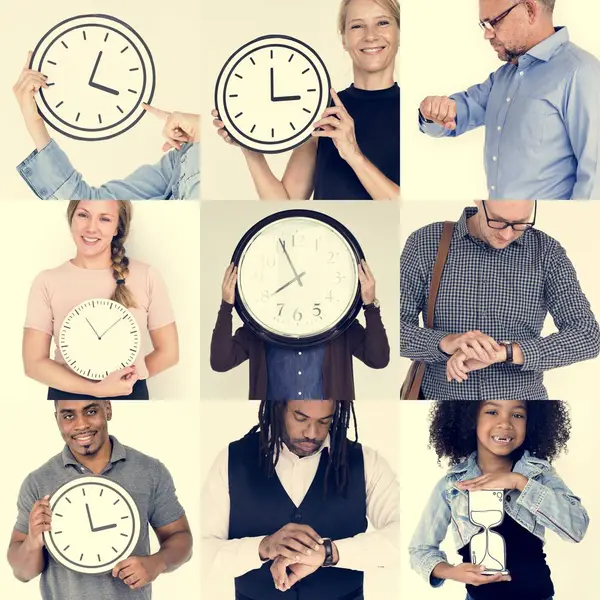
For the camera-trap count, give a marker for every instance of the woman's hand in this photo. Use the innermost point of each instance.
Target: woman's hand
(228, 285)
(367, 282)
(180, 128)
(117, 383)
(472, 575)
(338, 125)
(221, 131)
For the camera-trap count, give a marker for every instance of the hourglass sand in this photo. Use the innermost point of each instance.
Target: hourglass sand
(486, 509)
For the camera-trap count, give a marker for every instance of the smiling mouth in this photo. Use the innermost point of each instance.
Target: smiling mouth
(89, 241)
(375, 50)
(84, 438)
(502, 439)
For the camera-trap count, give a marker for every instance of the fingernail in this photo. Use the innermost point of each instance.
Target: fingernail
(308, 551)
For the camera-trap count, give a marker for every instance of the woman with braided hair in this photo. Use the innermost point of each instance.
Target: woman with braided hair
(100, 269)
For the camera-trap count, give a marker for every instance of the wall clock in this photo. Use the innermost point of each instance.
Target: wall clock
(270, 92)
(98, 337)
(95, 524)
(298, 278)
(99, 72)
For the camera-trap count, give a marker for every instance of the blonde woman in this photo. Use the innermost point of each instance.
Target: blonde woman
(100, 269)
(354, 152)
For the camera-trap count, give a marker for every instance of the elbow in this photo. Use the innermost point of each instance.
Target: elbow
(595, 340)
(30, 368)
(219, 363)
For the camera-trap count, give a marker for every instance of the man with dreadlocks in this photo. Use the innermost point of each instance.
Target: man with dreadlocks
(292, 497)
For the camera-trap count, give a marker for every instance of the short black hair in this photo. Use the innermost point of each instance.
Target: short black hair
(453, 428)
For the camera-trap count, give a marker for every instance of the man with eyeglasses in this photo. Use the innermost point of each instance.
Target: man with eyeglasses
(501, 279)
(540, 109)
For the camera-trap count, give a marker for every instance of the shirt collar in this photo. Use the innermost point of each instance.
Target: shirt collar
(547, 48)
(118, 453)
(287, 454)
(463, 231)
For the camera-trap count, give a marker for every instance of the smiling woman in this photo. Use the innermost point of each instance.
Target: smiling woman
(96, 307)
(354, 150)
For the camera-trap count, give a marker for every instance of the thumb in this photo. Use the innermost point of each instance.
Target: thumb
(450, 125)
(157, 112)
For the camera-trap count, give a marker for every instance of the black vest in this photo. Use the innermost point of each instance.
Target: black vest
(260, 506)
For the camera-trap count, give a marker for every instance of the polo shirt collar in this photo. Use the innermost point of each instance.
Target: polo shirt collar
(547, 48)
(118, 453)
(463, 231)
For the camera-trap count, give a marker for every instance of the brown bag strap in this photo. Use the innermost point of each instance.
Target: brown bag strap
(438, 268)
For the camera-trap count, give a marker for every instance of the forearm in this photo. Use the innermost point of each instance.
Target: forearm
(373, 347)
(230, 558)
(225, 352)
(39, 133)
(268, 187)
(368, 551)
(175, 551)
(161, 359)
(442, 570)
(26, 561)
(374, 181)
(55, 375)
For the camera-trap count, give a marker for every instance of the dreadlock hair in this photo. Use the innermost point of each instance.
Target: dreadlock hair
(453, 429)
(271, 428)
(120, 263)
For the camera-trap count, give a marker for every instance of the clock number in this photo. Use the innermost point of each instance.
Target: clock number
(329, 296)
(265, 296)
(332, 257)
(280, 309)
(317, 310)
(338, 278)
(317, 243)
(297, 240)
(297, 316)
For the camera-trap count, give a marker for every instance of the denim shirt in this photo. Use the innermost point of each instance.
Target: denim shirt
(51, 176)
(545, 502)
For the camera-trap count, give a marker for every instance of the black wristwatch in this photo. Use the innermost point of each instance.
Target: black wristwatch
(328, 545)
(375, 304)
(423, 118)
(509, 351)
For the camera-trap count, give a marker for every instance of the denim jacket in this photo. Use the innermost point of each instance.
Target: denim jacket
(51, 176)
(545, 502)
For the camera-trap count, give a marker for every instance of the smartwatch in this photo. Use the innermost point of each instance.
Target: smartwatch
(509, 351)
(327, 544)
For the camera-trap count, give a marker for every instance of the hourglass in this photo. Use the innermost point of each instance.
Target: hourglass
(486, 509)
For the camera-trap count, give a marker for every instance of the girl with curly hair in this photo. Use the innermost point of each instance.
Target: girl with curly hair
(503, 444)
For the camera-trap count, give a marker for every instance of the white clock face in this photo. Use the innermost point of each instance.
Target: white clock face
(297, 277)
(95, 524)
(270, 92)
(99, 72)
(98, 337)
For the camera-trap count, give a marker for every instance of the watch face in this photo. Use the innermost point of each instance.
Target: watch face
(99, 71)
(298, 278)
(95, 524)
(270, 92)
(98, 337)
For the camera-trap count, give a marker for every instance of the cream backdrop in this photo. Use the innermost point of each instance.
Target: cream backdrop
(377, 428)
(312, 21)
(171, 33)
(574, 225)
(445, 54)
(163, 234)
(151, 428)
(375, 228)
(420, 473)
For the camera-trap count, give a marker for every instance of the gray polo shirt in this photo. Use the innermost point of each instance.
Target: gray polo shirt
(151, 487)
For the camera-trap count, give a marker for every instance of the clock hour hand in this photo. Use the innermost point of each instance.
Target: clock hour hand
(100, 337)
(87, 508)
(104, 527)
(298, 278)
(97, 86)
(290, 261)
(279, 98)
(92, 330)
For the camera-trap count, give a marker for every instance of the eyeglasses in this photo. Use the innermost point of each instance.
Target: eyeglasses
(491, 23)
(496, 224)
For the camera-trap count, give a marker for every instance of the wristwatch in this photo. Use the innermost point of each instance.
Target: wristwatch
(423, 118)
(375, 304)
(509, 351)
(327, 544)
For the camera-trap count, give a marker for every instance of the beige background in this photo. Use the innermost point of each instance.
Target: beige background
(150, 427)
(312, 21)
(375, 228)
(569, 563)
(171, 33)
(574, 225)
(163, 234)
(377, 428)
(445, 53)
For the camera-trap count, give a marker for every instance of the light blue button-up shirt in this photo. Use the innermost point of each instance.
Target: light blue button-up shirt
(51, 176)
(542, 123)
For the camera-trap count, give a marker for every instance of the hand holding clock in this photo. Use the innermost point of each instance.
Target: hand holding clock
(40, 520)
(118, 383)
(138, 571)
(180, 128)
(367, 282)
(228, 285)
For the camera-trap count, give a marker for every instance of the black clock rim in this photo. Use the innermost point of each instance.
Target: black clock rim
(258, 39)
(313, 340)
(152, 66)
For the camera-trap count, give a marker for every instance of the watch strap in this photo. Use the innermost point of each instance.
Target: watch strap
(509, 351)
(328, 546)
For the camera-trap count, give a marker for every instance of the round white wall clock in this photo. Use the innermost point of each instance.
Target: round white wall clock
(270, 92)
(98, 337)
(298, 278)
(99, 71)
(95, 524)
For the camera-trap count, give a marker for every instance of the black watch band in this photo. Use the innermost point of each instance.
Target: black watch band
(328, 546)
(509, 351)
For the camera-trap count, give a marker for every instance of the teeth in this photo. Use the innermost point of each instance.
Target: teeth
(91, 240)
(372, 50)
(499, 438)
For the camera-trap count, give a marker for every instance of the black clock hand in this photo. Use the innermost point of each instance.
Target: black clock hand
(97, 86)
(272, 85)
(87, 508)
(279, 98)
(104, 527)
(297, 278)
(92, 328)
(290, 261)
(109, 328)
(95, 67)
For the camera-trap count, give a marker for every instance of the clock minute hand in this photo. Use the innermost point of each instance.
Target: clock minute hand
(87, 508)
(95, 68)
(109, 328)
(97, 86)
(290, 261)
(92, 328)
(279, 98)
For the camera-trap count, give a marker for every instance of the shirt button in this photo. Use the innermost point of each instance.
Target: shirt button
(508, 99)
(508, 498)
(299, 393)
(297, 518)
(499, 128)
(521, 73)
(299, 353)
(494, 158)
(493, 187)
(299, 372)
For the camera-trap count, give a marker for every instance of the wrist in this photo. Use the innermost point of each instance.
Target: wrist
(159, 564)
(356, 158)
(262, 549)
(336, 554)
(520, 482)
(33, 545)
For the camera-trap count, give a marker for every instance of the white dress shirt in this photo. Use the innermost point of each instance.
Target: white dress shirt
(365, 551)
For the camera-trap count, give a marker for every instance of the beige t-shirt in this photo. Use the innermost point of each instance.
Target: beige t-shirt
(55, 292)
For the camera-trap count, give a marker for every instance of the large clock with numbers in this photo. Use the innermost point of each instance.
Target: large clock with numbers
(298, 278)
(270, 92)
(95, 525)
(99, 72)
(99, 336)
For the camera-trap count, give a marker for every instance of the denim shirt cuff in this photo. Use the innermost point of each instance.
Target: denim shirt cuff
(46, 171)
(426, 569)
(190, 171)
(532, 495)
(531, 355)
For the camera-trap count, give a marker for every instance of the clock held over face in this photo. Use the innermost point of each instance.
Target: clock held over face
(98, 337)
(270, 92)
(297, 280)
(95, 525)
(99, 72)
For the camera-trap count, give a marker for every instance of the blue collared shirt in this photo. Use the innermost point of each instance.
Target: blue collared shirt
(51, 176)
(542, 123)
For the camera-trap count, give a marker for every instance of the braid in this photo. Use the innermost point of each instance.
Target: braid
(120, 262)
